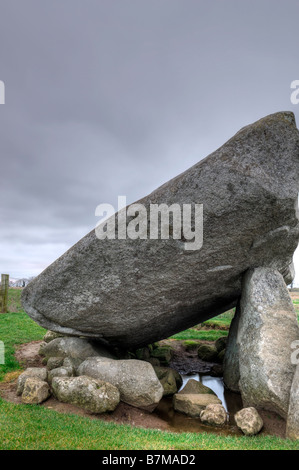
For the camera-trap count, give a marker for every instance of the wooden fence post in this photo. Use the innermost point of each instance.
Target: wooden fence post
(4, 292)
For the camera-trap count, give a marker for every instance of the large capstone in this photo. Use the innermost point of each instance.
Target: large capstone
(132, 292)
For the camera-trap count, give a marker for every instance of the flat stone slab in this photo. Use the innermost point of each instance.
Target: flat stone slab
(192, 404)
(129, 293)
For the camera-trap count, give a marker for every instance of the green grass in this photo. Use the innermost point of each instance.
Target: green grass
(15, 329)
(37, 428)
(204, 335)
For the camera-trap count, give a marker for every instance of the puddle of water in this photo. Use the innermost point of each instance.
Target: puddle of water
(178, 422)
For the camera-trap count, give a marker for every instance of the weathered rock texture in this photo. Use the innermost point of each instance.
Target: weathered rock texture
(35, 391)
(249, 421)
(94, 395)
(214, 415)
(136, 380)
(193, 404)
(130, 293)
(35, 372)
(266, 328)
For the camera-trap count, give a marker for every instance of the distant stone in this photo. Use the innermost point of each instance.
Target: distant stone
(91, 394)
(36, 372)
(214, 415)
(193, 404)
(132, 292)
(35, 391)
(292, 430)
(136, 380)
(194, 386)
(207, 352)
(249, 421)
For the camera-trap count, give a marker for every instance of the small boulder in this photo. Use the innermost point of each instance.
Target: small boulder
(214, 415)
(50, 335)
(91, 394)
(35, 391)
(220, 343)
(136, 380)
(37, 372)
(207, 352)
(193, 404)
(54, 362)
(170, 379)
(59, 372)
(74, 348)
(163, 354)
(249, 421)
(194, 386)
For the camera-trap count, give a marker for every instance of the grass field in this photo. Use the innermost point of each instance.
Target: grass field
(39, 428)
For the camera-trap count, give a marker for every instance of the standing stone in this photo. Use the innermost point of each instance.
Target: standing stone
(130, 293)
(231, 368)
(292, 430)
(267, 327)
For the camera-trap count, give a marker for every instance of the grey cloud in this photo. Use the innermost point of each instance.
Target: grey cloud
(108, 98)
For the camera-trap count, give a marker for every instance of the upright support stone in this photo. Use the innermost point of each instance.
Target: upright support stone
(267, 327)
(231, 370)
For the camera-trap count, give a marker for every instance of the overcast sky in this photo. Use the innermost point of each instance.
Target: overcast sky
(115, 97)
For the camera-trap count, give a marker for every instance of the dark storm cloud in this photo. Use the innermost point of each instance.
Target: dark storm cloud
(105, 98)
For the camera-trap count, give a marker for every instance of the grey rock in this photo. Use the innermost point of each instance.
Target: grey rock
(93, 395)
(194, 386)
(267, 327)
(170, 379)
(136, 380)
(249, 421)
(35, 391)
(59, 372)
(130, 293)
(50, 335)
(214, 415)
(76, 348)
(37, 372)
(292, 429)
(193, 404)
(73, 363)
(54, 362)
